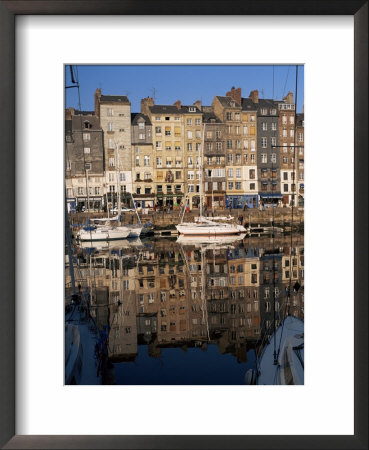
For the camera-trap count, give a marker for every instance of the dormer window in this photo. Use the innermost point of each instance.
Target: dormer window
(141, 125)
(87, 124)
(191, 109)
(233, 104)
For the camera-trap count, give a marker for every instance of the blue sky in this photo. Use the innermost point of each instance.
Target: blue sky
(188, 83)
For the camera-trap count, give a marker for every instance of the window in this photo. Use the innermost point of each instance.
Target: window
(189, 147)
(158, 145)
(111, 162)
(86, 136)
(264, 142)
(159, 188)
(284, 119)
(217, 160)
(80, 191)
(86, 150)
(245, 144)
(230, 185)
(300, 137)
(285, 175)
(197, 122)
(191, 188)
(292, 120)
(147, 176)
(146, 160)
(245, 130)
(238, 173)
(137, 161)
(274, 126)
(68, 165)
(284, 147)
(292, 133)
(264, 158)
(264, 126)
(238, 159)
(252, 142)
(198, 134)
(177, 118)
(110, 112)
(285, 188)
(190, 161)
(229, 143)
(238, 185)
(285, 160)
(229, 116)
(141, 136)
(252, 158)
(189, 121)
(158, 130)
(252, 186)
(230, 158)
(264, 111)
(158, 162)
(217, 134)
(219, 145)
(237, 116)
(252, 174)
(230, 173)
(209, 160)
(189, 134)
(273, 158)
(198, 147)
(141, 125)
(273, 141)
(238, 143)
(190, 175)
(168, 146)
(284, 132)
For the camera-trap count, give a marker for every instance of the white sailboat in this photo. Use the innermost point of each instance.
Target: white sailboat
(106, 232)
(204, 226)
(282, 359)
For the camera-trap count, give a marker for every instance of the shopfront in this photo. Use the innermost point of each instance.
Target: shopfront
(242, 201)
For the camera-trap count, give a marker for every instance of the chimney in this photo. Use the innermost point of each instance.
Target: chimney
(69, 112)
(145, 104)
(97, 102)
(235, 94)
(254, 95)
(198, 104)
(288, 98)
(177, 104)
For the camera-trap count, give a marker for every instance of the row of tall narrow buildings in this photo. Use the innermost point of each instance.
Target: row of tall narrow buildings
(243, 150)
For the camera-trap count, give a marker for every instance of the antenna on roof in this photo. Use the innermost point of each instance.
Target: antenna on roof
(262, 92)
(153, 93)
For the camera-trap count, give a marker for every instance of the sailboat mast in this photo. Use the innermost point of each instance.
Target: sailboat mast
(201, 174)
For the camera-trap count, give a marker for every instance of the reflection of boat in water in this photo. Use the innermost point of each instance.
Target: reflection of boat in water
(80, 345)
(209, 239)
(282, 359)
(108, 245)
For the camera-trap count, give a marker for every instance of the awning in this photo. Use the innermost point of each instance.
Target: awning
(271, 195)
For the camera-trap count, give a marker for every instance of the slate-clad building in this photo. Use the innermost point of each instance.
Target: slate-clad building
(268, 161)
(84, 160)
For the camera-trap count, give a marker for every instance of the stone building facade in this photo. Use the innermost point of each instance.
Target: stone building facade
(142, 161)
(114, 112)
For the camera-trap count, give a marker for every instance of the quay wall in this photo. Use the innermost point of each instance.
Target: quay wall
(282, 217)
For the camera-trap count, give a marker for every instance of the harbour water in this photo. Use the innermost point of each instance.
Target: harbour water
(186, 312)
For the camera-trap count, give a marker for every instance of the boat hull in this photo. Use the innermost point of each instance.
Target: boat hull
(113, 234)
(209, 230)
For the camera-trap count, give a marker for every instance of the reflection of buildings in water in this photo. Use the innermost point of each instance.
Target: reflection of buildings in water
(170, 295)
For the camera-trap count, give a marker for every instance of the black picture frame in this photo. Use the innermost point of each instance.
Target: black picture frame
(8, 11)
